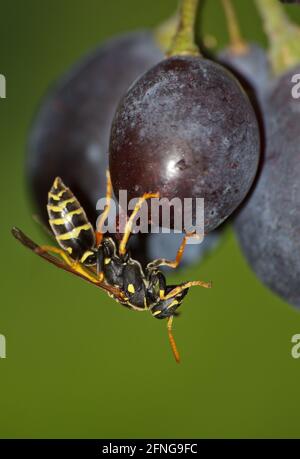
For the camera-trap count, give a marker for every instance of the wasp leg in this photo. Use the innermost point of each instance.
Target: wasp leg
(96, 278)
(57, 251)
(172, 340)
(104, 215)
(129, 223)
(177, 290)
(175, 263)
(75, 265)
(170, 263)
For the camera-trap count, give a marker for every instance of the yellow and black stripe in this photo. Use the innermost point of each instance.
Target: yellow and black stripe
(69, 223)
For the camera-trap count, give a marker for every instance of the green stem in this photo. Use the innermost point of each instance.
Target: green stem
(283, 35)
(165, 32)
(184, 41)
(238, 45)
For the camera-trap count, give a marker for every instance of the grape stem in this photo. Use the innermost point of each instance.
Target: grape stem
(238, 45)
(283, 35)
(184, 41)
(165, 32)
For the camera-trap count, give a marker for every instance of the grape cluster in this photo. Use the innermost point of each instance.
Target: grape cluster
(70, 134)
(185, 127)
(251, 67)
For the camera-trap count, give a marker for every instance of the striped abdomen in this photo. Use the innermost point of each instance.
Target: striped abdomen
(68, 221)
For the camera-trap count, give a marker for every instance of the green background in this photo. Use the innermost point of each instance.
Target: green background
(78, 364)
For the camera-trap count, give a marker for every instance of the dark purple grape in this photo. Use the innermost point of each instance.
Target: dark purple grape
(186, 129)
(268, 225)
(252, 67)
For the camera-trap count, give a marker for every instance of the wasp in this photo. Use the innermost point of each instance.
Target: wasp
(106, 262)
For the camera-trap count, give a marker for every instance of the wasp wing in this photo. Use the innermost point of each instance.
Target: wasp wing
(30, 244)
(44, 227)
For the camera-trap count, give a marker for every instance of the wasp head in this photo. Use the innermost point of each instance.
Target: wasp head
(167, 307)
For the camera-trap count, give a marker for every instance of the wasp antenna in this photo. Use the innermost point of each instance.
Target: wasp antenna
(172, 340)
(129, 223)
(109, 192)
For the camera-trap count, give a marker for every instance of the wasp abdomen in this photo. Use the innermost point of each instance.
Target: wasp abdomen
(68, 221)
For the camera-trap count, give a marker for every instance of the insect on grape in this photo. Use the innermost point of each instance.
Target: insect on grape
(105, 261)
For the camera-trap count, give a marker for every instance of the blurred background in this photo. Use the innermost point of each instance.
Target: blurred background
(80, 365)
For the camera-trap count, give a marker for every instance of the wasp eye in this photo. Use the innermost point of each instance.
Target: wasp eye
(90, 260)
